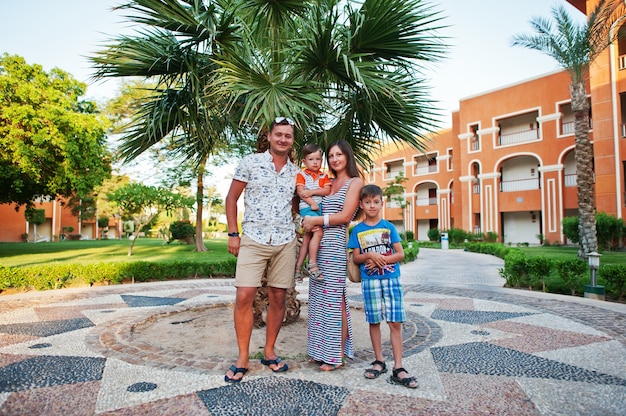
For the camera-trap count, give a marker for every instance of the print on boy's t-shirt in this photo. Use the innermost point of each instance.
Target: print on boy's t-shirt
(377, 240)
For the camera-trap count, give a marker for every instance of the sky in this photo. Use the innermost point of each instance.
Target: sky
(480, 58)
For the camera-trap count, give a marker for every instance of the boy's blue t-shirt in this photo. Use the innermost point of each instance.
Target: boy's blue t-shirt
(379, 238)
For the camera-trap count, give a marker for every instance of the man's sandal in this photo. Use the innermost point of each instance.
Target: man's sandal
(235, 370)
(373, 373)
(315, 273)
(410, 382)
(276, 362)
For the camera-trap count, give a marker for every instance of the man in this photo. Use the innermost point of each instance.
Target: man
(268, 239)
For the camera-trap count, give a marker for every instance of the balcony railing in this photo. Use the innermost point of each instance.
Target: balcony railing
(423, 202)
(420, 170)
(519, 137)
(569, 127)
(475, 145)
(519, 185)
(476, 189)
(622, 62)
(570, 179)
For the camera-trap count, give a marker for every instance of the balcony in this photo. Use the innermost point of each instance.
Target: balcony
(568, 127)
(519, 137)
(421, 170)
(519, 185)
(570, 179)
(423, 202)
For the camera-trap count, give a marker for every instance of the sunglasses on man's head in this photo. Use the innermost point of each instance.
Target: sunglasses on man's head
(284, 120)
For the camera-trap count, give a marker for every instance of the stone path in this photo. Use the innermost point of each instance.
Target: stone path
(162, 348)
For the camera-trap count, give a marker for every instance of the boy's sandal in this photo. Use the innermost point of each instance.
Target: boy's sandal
(373, 373)
(298, 277)
(314, 272)
(410, 382)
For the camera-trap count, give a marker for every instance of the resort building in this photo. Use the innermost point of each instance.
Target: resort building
(506, 166)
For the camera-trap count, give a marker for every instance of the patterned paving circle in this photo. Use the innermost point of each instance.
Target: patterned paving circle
(153, 338)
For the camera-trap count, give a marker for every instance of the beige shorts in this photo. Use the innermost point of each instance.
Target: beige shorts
(254, 258)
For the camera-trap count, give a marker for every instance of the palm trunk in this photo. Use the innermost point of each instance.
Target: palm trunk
(199, 204)
(584, 171)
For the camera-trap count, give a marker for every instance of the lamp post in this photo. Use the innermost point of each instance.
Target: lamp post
(592, 290)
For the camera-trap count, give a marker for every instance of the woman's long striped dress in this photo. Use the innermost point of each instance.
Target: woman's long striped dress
(325, 298)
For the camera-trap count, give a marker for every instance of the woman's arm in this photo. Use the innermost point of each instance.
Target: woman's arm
(350, 205)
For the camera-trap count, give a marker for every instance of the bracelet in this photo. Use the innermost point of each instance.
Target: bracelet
(326, 220)
(233, 234)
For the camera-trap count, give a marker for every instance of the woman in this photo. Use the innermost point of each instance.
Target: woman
(329, 324)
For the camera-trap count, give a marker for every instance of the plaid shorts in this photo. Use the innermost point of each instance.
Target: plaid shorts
(384, 300)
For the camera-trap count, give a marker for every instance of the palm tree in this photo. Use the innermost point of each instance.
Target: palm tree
(173, 50)
(575, 46)
(341, 69)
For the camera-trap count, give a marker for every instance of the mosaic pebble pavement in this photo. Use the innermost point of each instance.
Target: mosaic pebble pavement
(71, 352)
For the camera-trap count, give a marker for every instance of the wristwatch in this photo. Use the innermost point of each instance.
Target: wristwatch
(233, 234)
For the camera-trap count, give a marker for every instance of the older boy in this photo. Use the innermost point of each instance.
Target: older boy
(378, 249)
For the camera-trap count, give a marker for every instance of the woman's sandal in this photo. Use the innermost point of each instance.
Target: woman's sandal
(410, 382)
(373, 373)
(329, 367)
(315, 273)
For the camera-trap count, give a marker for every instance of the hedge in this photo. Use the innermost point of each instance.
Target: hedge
(65, 275)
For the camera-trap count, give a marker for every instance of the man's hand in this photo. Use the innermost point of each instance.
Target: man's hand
(233, 245)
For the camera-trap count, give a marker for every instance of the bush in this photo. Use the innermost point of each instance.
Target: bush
(433, 234)
(410, 236)
(609, 230)
(458, 236)
(516, 270)
(182, 231)
(571, 271)
(540, 267)
(65, 275)
(410, 253)
(615, 277)
(570, 229)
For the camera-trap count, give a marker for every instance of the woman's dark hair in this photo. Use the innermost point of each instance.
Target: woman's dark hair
(346, 149)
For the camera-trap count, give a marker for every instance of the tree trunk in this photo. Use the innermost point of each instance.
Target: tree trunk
(199, 205)
(584, 171)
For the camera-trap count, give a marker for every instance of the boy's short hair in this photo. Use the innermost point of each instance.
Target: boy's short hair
(311, 148)
(369, 191)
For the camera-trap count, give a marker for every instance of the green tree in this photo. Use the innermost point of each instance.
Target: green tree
(143, 203)
(395, 192)
(51, 142)
(575, 47)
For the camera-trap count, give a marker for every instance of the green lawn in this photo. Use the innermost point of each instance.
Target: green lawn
(108, 251)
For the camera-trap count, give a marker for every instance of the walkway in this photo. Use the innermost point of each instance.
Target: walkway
(162, 348)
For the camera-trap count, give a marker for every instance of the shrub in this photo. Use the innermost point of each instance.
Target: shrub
(64, 275)
(182, 231)
(410, 253)
(433, 234)
(570, 229)
(458, 236)
(609, 230)
(516, 270)
(540, 267)
(615, 277)
(410, 235)
(571, 271)
(491, 237)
